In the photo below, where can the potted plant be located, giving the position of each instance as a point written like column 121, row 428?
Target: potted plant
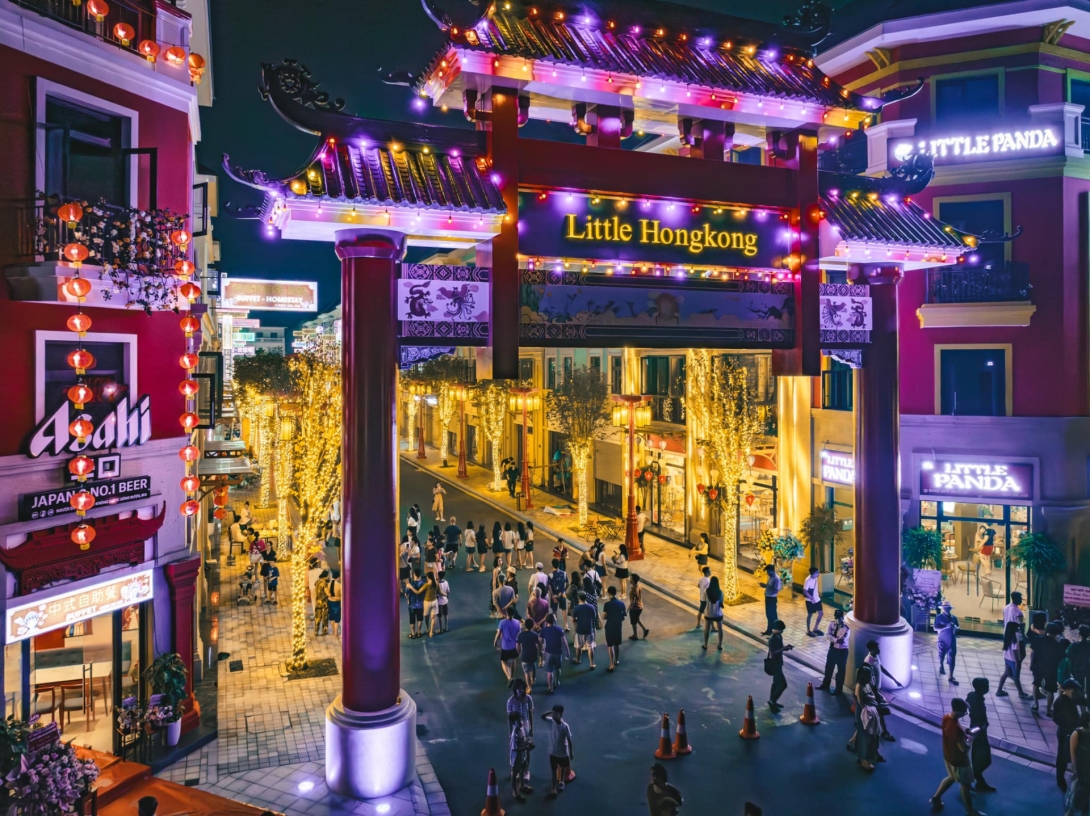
column 13, row 746
column 49, row 779
column 167, row 677
column 823, row 533
column 781, row 548
column 129, row 716
column 1041, row 558
column 921, row 548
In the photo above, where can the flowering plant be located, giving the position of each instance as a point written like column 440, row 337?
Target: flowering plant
column 160, row 715
column 50, row 779
column 129, row 715
column 783, row 547
column 924, row 599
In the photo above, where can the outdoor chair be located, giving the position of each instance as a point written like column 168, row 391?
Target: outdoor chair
column 994, row 592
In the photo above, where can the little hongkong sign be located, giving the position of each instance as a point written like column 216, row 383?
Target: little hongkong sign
column 1003, row 143
column 978, row 480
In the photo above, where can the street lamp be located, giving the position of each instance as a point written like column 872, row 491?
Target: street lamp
column 634, row 411
column 460, row 393
column 525, row 399
column 419, row 391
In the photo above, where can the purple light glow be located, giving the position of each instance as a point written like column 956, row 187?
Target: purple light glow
column 363, row 144
column 418, row 103
column 761, row 215
column 455, row 153
column 636, row 30
column 834, row 193
column 496, row 179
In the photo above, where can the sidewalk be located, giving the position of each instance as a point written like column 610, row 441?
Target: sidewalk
column 668, row 569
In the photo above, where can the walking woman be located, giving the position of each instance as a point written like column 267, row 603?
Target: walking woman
column 600, row 562
column 1012, row 648
column 437, row 494
column 499, row 578
column 497, row 539
column 700, row 553
column 507, row 537
column 520, row 547
column 321, row 604
column 482, row 545
column 1077, row 801
column 334, row 603
column 620, row 568
column 414, row 520
column 866, row 720
column 635, row 608
column 713, row 615
column 529, row 544
column 471, row 547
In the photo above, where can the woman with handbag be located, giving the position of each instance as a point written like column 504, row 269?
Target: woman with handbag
column 713, row 614
column 866, row 720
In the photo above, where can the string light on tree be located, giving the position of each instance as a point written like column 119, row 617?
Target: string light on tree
column 491, row 400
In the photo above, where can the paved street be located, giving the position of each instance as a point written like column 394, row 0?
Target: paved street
column 460, row 690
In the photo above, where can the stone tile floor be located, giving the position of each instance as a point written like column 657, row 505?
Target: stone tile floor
column 668, row 568
column 270, row 748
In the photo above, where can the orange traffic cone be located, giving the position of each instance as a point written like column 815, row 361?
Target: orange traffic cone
column 749, row 727
column 665, row 749
column 492, row 796
column 681, row 741
column 809, row 711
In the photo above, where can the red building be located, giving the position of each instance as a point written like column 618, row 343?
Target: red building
column 994, row 352
column 101, row 113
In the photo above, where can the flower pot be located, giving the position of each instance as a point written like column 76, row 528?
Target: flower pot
column 174, row 732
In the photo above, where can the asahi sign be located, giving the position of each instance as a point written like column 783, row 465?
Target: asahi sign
column 49, row 503
column 121, row 428
column 978, row 480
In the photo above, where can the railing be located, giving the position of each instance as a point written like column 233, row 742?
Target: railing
column 959, row 284
column 667, row 409
column 1084, row 133
column 836, row 390
column 136, row 15
column 850, row 157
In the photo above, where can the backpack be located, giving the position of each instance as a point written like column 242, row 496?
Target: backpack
column 558, row 582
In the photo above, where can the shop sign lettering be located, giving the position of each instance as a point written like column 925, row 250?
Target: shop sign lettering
column 652, row 232
column 999, row 144
column 837, row 467
column 948, row 477
column 122, row 428
column 48, row 503
column 39, row 617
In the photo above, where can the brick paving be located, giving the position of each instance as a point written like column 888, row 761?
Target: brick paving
column 667, row 567
column 270, row 749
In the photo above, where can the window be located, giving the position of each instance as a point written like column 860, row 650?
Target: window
column 550, row 373
column 567, row 369
column 615, row 381
column 112, row 377
column 84, row 156
column 836, row 387
column 199, row 210
column 596, row 365
column 979, row 217
column 1079, row 94
column 526, row 369
column 967, row 98
column 973, row 382
column 746, row 155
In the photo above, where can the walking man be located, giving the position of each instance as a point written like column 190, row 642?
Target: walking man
column 946, row 625
column 1065, row 713
column 561, row 750
column 955, row 753
column 614, row 612
column 520, row 711
column 584, row 615
column 555, row 644
column 837, row 656
column 980, row 755
column 641, row 522
column 772, row 586
column 811, row 591
column 702, row 586
column 528, row 645
column 776, row 648
column 558, row 591
column 506, row 641
column 453, row 536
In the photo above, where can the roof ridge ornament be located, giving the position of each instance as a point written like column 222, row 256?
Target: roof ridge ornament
column 291, row 79
column 444, row 20
column 808, row 25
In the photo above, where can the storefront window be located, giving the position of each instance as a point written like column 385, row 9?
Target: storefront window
column 756, row 514
column 976, row 538
column 842, row 558
column 662, row 490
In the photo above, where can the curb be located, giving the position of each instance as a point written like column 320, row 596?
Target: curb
column 908, row 709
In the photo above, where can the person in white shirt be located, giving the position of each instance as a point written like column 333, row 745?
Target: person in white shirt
column 538, row 579
column 442, row 596
column 812, row 593
column 837, row 656
column 234, row 535
column 246, row 518
column 470, row 541
column 507, row 537
column 641, row 522
column 313, row 571
column 702, row 585
column 1013, row 610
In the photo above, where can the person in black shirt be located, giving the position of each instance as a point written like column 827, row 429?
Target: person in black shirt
column 1066, row 716
column 776, row 649
column 980, row 752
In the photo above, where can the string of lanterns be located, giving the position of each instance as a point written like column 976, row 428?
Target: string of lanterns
column 183, row 269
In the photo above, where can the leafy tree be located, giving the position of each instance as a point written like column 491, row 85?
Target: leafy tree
column 490, row 399
column 1041, row 558
column 822, row 533
column 443, row 373
column 579, row 408
column 728, row 423
column 921, row 548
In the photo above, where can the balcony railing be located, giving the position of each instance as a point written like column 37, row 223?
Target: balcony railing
column 668, row 409
column 850, row 157
column 1084, row 132
column 960, row 284
column 135, row 15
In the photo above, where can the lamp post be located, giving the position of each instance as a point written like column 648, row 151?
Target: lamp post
column 419, row 392
column 460, row 393
column 631, row 410
column 525, row 399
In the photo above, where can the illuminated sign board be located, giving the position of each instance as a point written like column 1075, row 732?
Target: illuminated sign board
column 270, row 295
column 48, row 503
column 39, row 617
column 245, row 337
column 837, row 467
column 563, row 225
column 120, row 428
column 951, row 477
column 1001, row 143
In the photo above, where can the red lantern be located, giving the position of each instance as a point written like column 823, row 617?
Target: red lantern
column 189, row 360
column 81, row 467
column 180, row 238
column 183, row 268
column 189, row 420
column 713, row 494
column 75, row 253
column 176, row 56
column 81, row 429
column 191, row 484
column 189, row 388
column 79, row 322
column 124, row 32
column 98, row 9
column 700, row 488
column 220, row 499
column 638, row 475
column 662, row 478
column 219, row 513
column 82, row 501
column 189, row 325
column 80, row 394
column 81, row 360
column 750, row 498
column 83, row 535
column 72, row 213
column 190, row 453
column 190, row 291
column 190, row 508
column 77, row 288
column 149, row 48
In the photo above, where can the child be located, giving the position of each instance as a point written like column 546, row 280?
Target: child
column 441, row 602
column 273, row 578
column 521, row 746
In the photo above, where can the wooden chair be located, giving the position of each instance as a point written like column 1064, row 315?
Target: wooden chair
column 76, row 697
column 45, row 702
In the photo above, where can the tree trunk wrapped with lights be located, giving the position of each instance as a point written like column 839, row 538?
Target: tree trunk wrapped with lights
column 727, row 423
column 448, row 404
column 491, row 404
column 578, row 407
column 443, row 374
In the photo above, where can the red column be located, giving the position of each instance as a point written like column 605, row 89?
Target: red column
column 182, row 582
column 877, row 485
column 503, row 149
column 369, row 638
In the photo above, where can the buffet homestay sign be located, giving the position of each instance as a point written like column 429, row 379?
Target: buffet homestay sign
column 1002, row 143
column 950, row 477
column 655, row 232
column 270, row 295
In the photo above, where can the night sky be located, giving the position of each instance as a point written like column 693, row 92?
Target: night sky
column 344, row 43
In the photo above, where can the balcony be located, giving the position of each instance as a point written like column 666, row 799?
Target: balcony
column 977, row 296
column 667, row 409
column 850, row 157
column 1084, row 132
column 121, row 16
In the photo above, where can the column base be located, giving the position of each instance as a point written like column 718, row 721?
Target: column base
column 370, row 755
column 894, row 642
